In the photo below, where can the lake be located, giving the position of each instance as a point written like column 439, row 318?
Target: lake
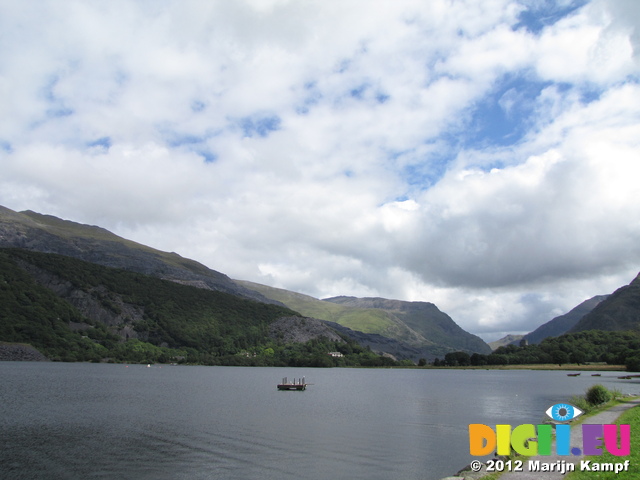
column 105, row 421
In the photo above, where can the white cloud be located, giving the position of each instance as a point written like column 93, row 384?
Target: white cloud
column 331, row 149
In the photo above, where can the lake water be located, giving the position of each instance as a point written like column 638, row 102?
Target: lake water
column 85, row 421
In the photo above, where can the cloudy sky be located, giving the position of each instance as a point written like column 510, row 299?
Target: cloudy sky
column 480, row 155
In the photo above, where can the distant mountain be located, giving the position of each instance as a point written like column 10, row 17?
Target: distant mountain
column 366, row 320
column 378, row 329
column 403, row 329
column 620, row 311
column 563, row 323
column 506, row 340
column 49, row 234
column 423, row 318
column 383, row 329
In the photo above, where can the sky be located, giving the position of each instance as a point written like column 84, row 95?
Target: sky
column 480, row 155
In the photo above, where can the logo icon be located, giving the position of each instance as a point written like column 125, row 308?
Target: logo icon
column 563, row 412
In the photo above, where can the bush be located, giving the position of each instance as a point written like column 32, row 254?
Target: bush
column 598, row 394
column 581, row 402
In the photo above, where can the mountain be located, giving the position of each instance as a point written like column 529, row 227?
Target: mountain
column 73, row 310
column 365, row 320
column 424, row 318
column 563, row 323
column 49, row 234
column 403, row 329
column 377, row 329
column 619, row 311
column 506, row 340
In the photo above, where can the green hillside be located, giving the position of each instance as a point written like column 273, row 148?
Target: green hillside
column 367, row 320
column 424, row 318
column 76, row 311
column 33, row 314
column 418, row 324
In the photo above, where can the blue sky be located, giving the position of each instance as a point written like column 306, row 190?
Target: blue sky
column 482, row 156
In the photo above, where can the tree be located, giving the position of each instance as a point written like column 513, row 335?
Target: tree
column 454, row 359
column 478, row 359
column 422, row 362
column 559, row 357
column 578, row 357
column 633, row 364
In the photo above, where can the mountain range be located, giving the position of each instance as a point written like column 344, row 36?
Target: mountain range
column 49, row 234
column 399, row 329
column 404, row 329
column 619, row 311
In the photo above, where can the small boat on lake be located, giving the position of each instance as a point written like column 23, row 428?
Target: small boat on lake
column 572, row 374
column 296, row 385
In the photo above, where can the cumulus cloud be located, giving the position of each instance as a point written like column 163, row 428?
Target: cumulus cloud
column 479, row 155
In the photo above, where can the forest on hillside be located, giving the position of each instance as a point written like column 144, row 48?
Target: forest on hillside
column 177, row 323
column 592, row 346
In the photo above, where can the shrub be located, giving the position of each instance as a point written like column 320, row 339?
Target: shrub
column 581, row 402
column 598, row 394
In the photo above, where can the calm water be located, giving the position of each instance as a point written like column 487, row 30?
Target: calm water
column 84, row 421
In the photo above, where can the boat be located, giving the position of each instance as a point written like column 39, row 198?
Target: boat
column 299, row 385
column 572, row 374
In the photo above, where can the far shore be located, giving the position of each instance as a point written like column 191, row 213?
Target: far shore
column 544, row 366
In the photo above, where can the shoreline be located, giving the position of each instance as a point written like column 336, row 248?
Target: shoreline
column 618, row 407
column 537, row 366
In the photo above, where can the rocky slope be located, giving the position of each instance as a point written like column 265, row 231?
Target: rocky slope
column 301, row 330
column 16, row 352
